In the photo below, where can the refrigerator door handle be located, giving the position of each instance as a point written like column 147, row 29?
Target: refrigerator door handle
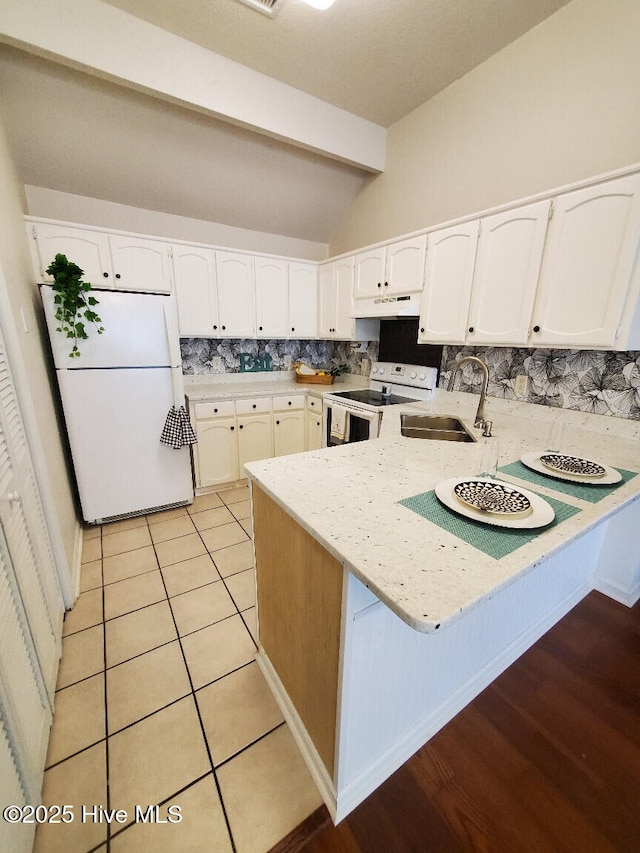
column 174, row 357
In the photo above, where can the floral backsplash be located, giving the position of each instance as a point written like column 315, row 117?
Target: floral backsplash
column 604, row 383
column 198, row 354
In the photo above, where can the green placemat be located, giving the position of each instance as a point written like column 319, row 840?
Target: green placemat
column 496, row 542
column 592, row 493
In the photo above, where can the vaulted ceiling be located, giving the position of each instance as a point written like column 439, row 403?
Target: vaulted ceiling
column 378, row 59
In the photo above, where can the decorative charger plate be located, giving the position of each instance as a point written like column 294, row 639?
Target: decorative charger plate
column 575, row 465
column 492, row 496
column 534, row 461
column 538, row 514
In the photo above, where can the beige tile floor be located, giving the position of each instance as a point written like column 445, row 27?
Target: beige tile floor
column 159, row 699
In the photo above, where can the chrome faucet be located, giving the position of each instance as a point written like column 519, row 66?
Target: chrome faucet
column 480, row 419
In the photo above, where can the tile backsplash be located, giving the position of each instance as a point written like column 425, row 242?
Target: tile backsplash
column 198, row 354
column 605, row 383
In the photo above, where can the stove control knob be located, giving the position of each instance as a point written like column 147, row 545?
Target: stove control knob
column 423, row 376
column 374, row 369
column 413, row 374
column 381, row 370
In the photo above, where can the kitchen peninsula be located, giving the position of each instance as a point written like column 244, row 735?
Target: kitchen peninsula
column 376, row 625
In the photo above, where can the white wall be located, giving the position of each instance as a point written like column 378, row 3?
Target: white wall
column 52, row 204
column 560, row 104
column 31, row 376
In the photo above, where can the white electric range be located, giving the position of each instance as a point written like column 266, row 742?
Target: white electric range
column 349, row 416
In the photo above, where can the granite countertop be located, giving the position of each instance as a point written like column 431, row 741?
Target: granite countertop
column 234, row 385
column 347, row 498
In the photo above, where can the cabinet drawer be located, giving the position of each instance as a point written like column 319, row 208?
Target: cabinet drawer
column 214, row 409
column 314, row 404
column 253, row 406
column 293, row 401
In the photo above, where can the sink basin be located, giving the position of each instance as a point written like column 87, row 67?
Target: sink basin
column 434, row 427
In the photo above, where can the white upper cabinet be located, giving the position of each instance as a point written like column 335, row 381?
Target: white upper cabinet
column 336, row 299
column 272, row 297
column 393, row 269
column 140, row 264
column 303, row 300
column 235, row 295
column 194, row 271
column 88, row 249
column 506, row 275
column 451, row 254
column 108, row 260
column 588, row 264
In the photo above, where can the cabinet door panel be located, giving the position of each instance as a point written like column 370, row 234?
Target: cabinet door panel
column 589, row 258
column 216, row 452
column 303, row 301
column 288, row 433
column 451, row 255
column 506, row 274
column 272, row 298
column 313, row 423
column 195, row 283
column 236, row 305
column 140, row 264
column 255, row 439
column 344, row 299
column 88, row 249
column 326, row 300
column 369, row 273
column 405, row 265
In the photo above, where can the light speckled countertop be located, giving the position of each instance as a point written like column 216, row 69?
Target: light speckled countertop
column 236, row 385
column 346, row 498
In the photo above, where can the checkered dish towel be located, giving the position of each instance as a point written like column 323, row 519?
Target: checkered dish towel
column 177, row 431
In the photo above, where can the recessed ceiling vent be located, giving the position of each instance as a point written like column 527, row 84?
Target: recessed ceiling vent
column 267, row 7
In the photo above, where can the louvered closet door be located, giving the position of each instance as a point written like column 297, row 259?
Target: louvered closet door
column 25, row 534
column 30, row 614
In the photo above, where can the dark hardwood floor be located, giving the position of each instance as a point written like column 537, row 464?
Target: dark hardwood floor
column 546, row 759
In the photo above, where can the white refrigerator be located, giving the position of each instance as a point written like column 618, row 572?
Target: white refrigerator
column 115, row 398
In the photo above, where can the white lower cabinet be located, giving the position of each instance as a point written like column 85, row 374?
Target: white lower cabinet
column 233, row 432
column 288, row 433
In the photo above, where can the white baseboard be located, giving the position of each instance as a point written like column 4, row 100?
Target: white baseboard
column 624, row 596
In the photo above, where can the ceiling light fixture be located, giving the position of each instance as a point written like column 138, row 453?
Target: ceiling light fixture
column 319, row 4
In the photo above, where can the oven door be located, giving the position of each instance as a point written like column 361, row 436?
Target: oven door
column 363, row 424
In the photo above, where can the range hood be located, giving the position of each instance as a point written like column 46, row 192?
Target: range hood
column 387, row 306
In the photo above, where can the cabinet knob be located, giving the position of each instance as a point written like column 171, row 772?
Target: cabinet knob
column 289, row 403
column 277, row 422
column 232, row 428
column 224, row 327
column 471, row 328
column 105, row 274
column 293, row 329
column 422, row 329
column 379, row 284
column 253, row 406
column 386, row 284
column 536, row 328
column 117, row 275
column 240, row 427
column 259, row 328
column 215, row 327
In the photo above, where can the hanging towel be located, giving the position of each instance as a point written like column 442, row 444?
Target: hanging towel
column 339, row 424
column 177, row 431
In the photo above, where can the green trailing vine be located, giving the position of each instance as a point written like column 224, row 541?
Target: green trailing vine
column 73, row 304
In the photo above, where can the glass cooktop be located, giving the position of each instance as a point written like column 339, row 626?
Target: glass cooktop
column 373, row 398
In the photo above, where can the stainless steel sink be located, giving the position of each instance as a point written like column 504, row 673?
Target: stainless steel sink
column 434, row 427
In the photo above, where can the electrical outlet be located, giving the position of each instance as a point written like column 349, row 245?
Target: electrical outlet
column 365, row 364
column 521, row 385
column 216, row 363
column 287, row 362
